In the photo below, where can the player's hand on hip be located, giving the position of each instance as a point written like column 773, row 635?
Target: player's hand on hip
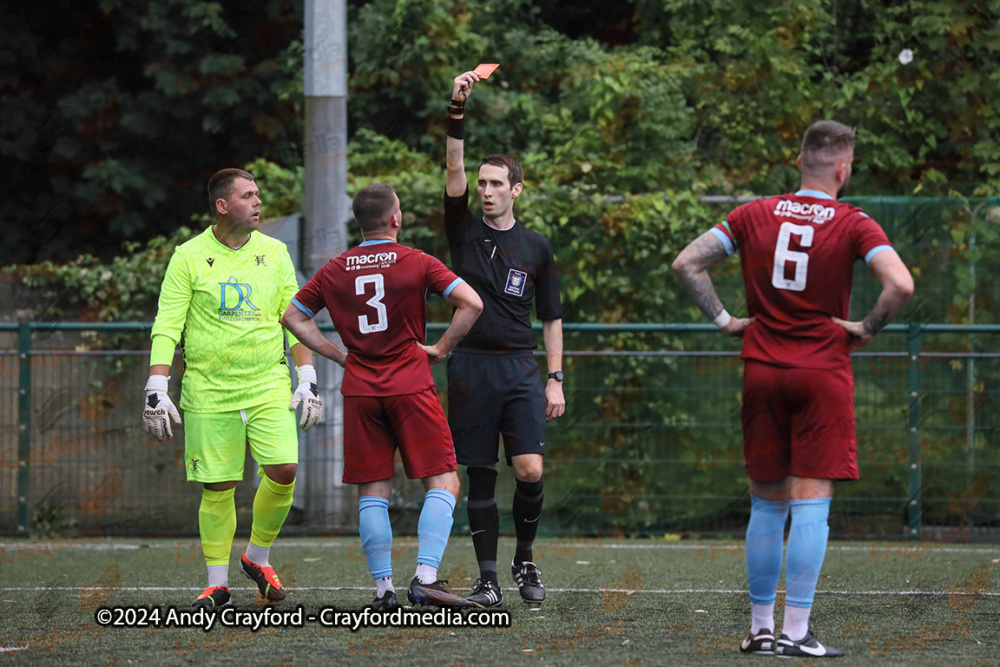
column 159, row 410
column 433, row 353
column 737, row 326
column 307, row 393
column 555, row 402
column 859, row 335
column 463, row 85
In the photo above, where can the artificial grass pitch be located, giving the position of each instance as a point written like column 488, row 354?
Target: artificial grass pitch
column 610, row 602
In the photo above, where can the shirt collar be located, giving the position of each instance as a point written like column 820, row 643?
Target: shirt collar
column 376, row 242
column 211, row 232
column 815, row 194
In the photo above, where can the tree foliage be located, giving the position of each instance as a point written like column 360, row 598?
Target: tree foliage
column 115, row 114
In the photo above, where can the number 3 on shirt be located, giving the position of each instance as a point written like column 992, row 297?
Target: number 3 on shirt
column 782, row 254
column 382, row 323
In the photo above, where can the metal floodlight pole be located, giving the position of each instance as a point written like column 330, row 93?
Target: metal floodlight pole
column 324, row 231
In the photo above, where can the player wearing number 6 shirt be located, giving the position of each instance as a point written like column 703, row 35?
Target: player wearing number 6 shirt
column 376, row 295
column 797, row 253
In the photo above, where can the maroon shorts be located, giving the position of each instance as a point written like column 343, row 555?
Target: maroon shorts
column 375, row 427
column 798, row 421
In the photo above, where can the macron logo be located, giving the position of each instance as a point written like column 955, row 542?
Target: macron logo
column 816, row 213
column 380, row 258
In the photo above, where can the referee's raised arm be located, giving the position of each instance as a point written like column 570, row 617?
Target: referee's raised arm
column 456, row 184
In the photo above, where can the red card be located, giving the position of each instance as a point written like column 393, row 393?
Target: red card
column 485, row 69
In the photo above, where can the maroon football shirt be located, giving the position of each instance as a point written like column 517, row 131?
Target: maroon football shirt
column 376, row 294
column 797, row 254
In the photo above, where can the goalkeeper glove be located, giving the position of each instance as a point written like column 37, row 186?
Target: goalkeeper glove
column 158, row 406
column 307, row 393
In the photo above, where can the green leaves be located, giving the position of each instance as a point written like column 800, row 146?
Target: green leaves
column 127, row 104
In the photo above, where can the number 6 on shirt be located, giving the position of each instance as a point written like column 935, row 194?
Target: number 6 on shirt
column 375, row 302
column 782, row 254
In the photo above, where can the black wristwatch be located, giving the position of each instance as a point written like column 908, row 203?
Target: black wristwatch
column 557, row 376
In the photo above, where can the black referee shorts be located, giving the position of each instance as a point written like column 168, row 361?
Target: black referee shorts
column 489, row 396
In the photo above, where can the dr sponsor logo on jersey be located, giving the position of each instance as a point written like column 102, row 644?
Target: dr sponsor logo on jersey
column 816, row 213
column 375, row 260
column 515, row 282
column 240, row 293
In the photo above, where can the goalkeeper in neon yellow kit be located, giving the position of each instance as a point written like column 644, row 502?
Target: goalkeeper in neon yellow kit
column 225, row 291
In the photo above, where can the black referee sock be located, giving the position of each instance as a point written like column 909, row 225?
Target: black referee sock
column 528, row 499
column 484, row 520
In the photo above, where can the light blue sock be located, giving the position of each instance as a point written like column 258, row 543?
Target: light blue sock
column 765, row 542
column 376, row 535
column 434, row 526
column 806, row 550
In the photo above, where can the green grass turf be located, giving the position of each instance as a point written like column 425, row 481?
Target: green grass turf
column 883, row 603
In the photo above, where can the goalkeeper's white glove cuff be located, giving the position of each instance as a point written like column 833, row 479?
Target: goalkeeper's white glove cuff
column 157, row 383
column 306, row 374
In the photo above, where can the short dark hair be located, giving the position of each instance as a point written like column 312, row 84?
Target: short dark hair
column 372, row 207
column 501, row 160
column 220, row 186
column 823, row 142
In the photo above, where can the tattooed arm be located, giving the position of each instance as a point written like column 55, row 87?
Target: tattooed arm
column 692, row 268
column 897, row 287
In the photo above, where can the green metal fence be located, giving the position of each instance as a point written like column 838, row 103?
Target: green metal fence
column 650, row 443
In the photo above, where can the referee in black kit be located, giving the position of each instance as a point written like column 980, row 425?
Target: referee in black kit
column 494, row 384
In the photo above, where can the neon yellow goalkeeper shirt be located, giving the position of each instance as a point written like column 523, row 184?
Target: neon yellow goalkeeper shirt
column 227, row 304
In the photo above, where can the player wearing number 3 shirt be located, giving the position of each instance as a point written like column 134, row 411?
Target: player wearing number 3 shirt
column 376, row 295
column 797, row 253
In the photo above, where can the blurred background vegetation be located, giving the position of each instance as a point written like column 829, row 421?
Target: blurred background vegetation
column 624, row 115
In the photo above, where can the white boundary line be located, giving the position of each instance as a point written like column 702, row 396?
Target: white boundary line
column 734, row 546
column 650, row 591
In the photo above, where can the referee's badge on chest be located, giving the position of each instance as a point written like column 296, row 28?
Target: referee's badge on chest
column 515, row 282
